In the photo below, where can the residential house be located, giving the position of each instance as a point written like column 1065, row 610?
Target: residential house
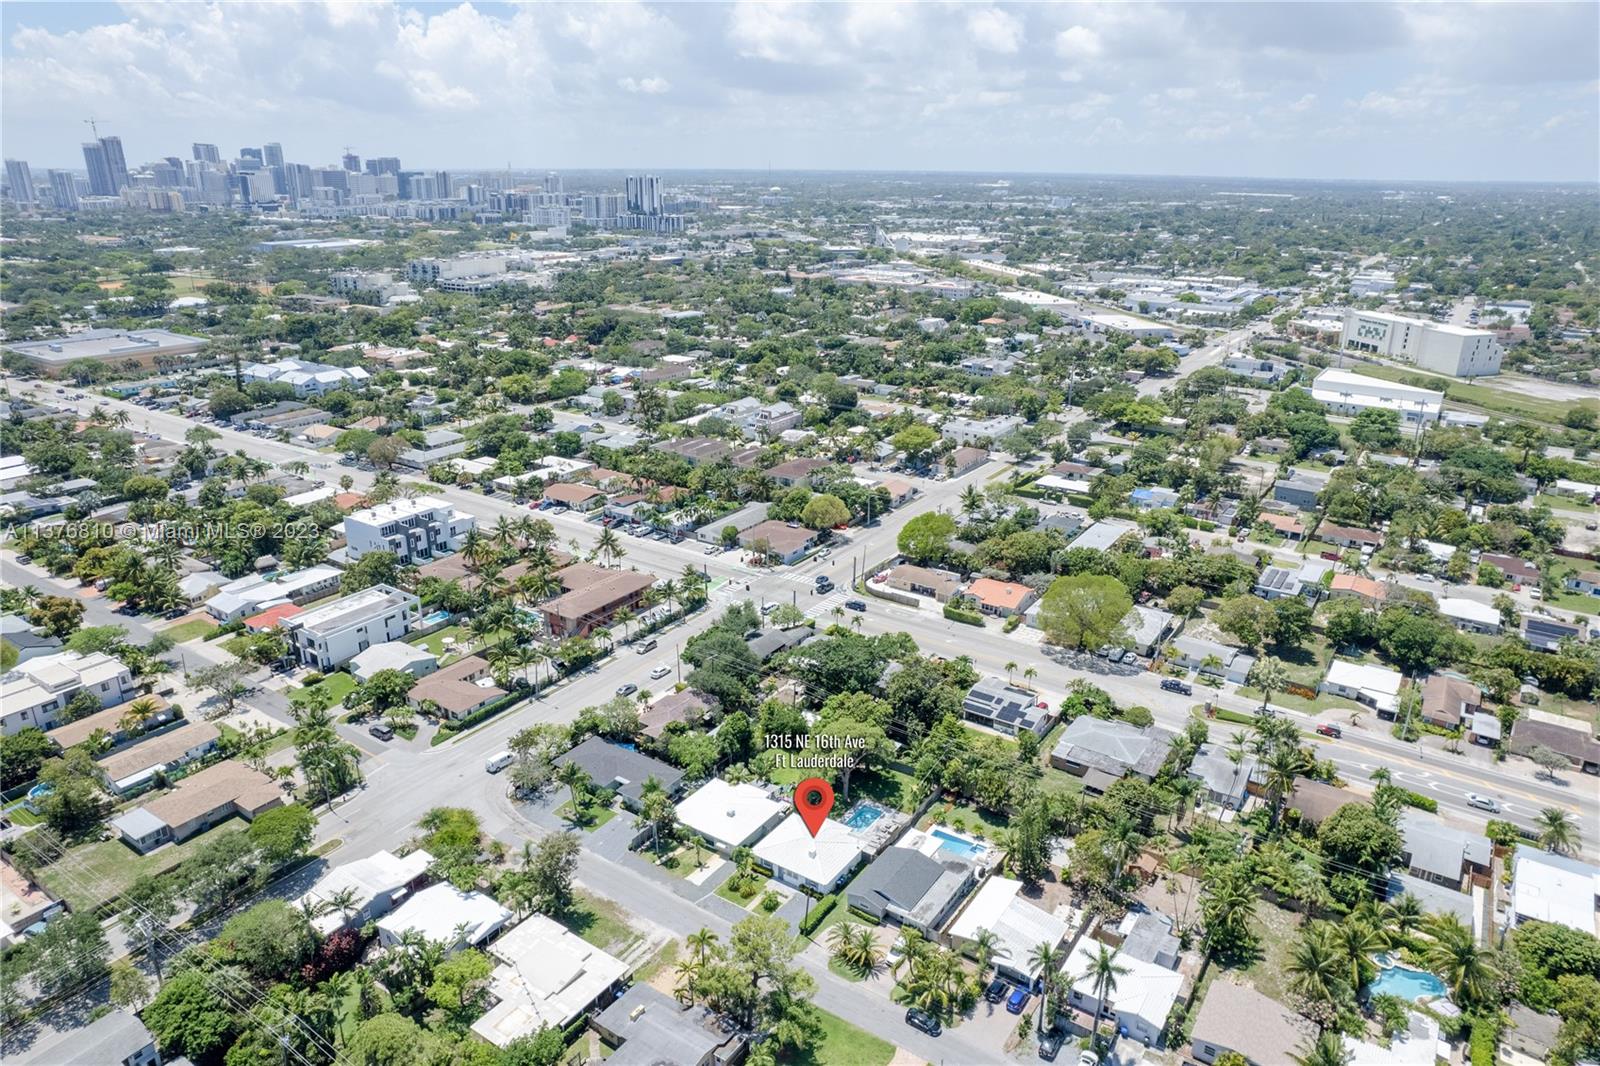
column 905, row 886
column 1304, row 580
column 116, row 1038
column 465, row 686
column 1103, row 751
column 444, row 914
column 1006, row 708
column 1317, row 801
column 200, row 801
column 34, row 693
column 622, row 770
column 1300, row 488
column 357, row 893
column 1449, row 700
column 820, row 862
column 1001, row 599
column 964, row 460
column 1104, row 534
column 797, row 472
column 1237, row 1018
column 25, row 906
column 1147, row 628
column 1375, row 686
column 1441, row 853
column 689, row 706
column 923, row 581
column 110, row 723
column 575, row 497
column 1018, row 927
column 730, row 816
column 649, row 1027
column 437, row 446
column 739, row 521
column 1143, row 997
column 1547, row 634
column 413, row 659
column 1153, row 498
column 410, row 530
column 785, row 542
column 1349, row 536
column 591, row 597
column 1586, row 583
column 1517, row 569
column 136, row 766
column 1370, row 592
column 1286, row 526
column 972, row 432
column 770, row 642
column 546, row 975
column 252, row 594
column 1209, row 657
column 1470, row 616
column 331, row 635
column 1226, row 782
column 1576, row 743
column 1546, row 887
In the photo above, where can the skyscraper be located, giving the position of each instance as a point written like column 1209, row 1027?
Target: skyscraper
column 552, row 183
column 384, row 164
column 352, row 161
column 63, row 190
column 272, row 154
column 206, row 153
column 20, row 178
column 251, row 158
column 442, row 187
column 644, row 195
column 116, row 162
column 94, row 160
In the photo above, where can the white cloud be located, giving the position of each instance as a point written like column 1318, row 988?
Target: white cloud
column 650, row 86
column 994, row 30
column 1078, row 43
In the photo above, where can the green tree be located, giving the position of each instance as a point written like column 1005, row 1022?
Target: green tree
column 189, row 1017
column 1084, row 611
column 270, row 940
column 1249, row 619
column 926, row 538
column 824, row 511
column 550, row 869
column 283, row 833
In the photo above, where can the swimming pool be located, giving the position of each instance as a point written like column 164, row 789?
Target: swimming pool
column 863, row 815
column 957, row 845
column 433, row 619
column 1408, row 984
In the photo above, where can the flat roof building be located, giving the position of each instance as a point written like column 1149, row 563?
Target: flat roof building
column 1442, row 348
column 819, row 862
column 730, row 816
column 1346, row 393
column 546, row 976
column 143, row 346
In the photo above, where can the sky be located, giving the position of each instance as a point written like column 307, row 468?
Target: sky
column 1380, row 91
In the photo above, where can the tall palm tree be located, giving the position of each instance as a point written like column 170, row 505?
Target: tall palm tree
column 1282, row 767
column 985, row 944
column 1357, row 941
column 701, row 944
column 577, row 781
column 1102, row 974
column 1326, row 1050
column 1557, row 832
column 138, row 714
column 1315, row 968
column 1455, row 956
column 1046, row 959
column 912, row 946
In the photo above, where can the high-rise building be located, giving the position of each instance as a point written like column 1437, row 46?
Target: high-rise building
column 206, row 153
column 20, row 178
column 330, row 178
column 94, row 160
column 165, row 175
column 297, row 181
column 384, row 164
column 352, row 161
column 63, row 189
column 552, row 183
column 442, row 187
column 116, row 162
column 272, row 154
column 252, row 155
column 256, row 187
column 643, row 194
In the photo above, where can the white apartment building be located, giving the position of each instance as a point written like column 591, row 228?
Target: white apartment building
column 979, row 431
column 1345, row 393
column 1443, row 349
column 379, row 283
column 330, row 636
column 251, row 595
column 435, row 271
column 305, row 377
column 35, row 693
column 410, row 529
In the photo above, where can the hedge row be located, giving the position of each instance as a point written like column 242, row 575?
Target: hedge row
column 1419, row 801
column 956, row 614
column 819, row 911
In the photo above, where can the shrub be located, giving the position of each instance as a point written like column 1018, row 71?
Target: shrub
column 771, row 901
column 819, row 911
column 1418, row 800
column 956, row 614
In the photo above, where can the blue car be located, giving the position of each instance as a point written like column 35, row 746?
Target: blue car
column 1018, row 1000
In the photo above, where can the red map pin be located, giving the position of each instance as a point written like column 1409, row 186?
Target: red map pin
column 813, row 798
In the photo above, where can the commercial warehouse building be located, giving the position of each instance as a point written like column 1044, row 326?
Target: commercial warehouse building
column 1435, row 346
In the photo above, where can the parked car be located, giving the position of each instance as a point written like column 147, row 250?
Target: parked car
column 627, row 690
column 855, row 605
column 768, row 607
column 1050, row 1044
column 996, row 990
column 1172, row 684
column 1483, row 803
column 1118, row 654
column 1017, row 1002
column 381, row 730
column 659, row 672
column 1103, row 651
column 712, row 549
column 1088, row 1058
column 1328, row 730
column 921, row 1019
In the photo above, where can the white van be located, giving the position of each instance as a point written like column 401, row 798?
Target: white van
column 497, row 762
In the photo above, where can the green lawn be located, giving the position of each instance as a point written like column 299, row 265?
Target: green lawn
column 91, row 874
column 962, row 817
column 336, row 685
column 592, row 816
column 681, row 863
column 1483, row 397
column 1276, row 930
column 1564, row 503
column 434, row 641
column 600, row 922
column 194, row 627
column 1324, row 703
column 284, row 739
column 726, row 891
column 843, row 1044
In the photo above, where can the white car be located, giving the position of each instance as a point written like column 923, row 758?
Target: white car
column 1483, row 803
column 659, row 672
column 713, row 550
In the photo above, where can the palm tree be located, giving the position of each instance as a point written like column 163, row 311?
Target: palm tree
column 138, row 714
column 1357, row 941
column 1315, row 968
column 702, row 944
column 911, row 946
column 1028, row 674
column 609, row 547
column 1455, row 956
column 1282, row 767
column 985, row 943
column 1102, row 973
column 1557, row 832
column 1011, row 668
column 1269, row 675
column 577, row 781
column 1046, row 959
column 1326, row 1050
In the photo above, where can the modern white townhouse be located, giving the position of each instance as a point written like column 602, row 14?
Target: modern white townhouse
column 329, row 636
column 35, row 692
column 408, row 529
column 249, row 595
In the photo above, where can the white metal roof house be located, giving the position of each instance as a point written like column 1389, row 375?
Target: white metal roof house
column 1554, row 888
column 1018, row 926
column 1376, row 686
column 730, row 816
column 444, row 913
column 797, row 858
column 1470, row 615
column 373, row 886
column 546, row 976
column 393, row 655
column 1143, row 997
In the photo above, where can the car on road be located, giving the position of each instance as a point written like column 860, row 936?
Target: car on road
column 855, row 605
column 1050, row 1044
column 712, row 549
column 768, row 607
column 1183, row 688
column 1328, row 730
column 921, row 1019
column 627, row 690
column 997, row 990
column 824, row 553
column 645, row 647
column 1017, row 1002
column 1426, row 579
column 1483, row 803
column 381, row 730
column 659, row 672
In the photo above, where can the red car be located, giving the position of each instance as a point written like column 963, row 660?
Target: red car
column 1329, row 731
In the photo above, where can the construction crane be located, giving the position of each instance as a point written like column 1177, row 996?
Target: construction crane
column 92, row 127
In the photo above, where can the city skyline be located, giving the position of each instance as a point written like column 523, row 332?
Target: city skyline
column 1385, row 92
